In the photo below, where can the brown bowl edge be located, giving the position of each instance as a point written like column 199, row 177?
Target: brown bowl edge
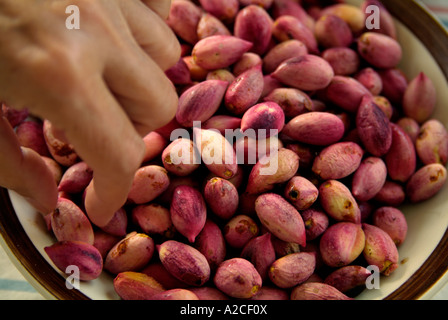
column 432, row 34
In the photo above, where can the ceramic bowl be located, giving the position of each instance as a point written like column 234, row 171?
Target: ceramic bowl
column 423, row 256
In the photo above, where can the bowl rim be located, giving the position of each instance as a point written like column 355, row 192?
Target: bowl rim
column 430, row 32
column 37, row 270
column 29, row 261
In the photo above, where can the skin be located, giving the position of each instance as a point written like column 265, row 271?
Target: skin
column 103, row 86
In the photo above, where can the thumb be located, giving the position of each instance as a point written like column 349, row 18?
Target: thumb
column 24, row 171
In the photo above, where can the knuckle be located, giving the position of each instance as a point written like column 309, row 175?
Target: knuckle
column 173, row 51
column 167, row 111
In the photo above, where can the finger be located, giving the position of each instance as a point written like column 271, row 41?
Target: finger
column 104, row 138
column 24, row 171
column 152, row 34
column 161, row 7
column 142, row 88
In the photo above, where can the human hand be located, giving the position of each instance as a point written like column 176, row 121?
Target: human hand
column 103, row 86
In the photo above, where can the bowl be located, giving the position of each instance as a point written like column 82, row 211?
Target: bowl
column 423, row 256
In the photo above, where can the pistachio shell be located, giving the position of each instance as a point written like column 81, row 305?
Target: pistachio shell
column 301, row 192
column 332, row 31
column 153, row 219
column 223, row 10
column 266, row 4
column 346, row 92
column 130, row 254
column 305, row 152
column 76, row 178
column 351, row 14
column 179, row 74
column 294, row 102
column 316, row 222
column 369, row 178
column 315, row 128
column 392, row 194
column 184, row 262
column 175, row 294
column 432, row 142
column 426, row 182
column 209, row 25
column 221, row 74
column 216, row 152
column 288, row 27
column 183, row 19
column 200, row 102
column 269, row 84
column 271, row 293
column 181, row 157
column 237, row 278
column 280, row 218
column 260, row 251
column 393, row 221
column 401, row 159
column 373, row 128
column 292, row 269
column 338, row 160
column 219, row 51
column 70, row 223
column 281, row 52
column 30, row 134
column 254, row 24
column 149, row 182
column 308, row 72
column 239, row 230
column 118, row 224
column 76, row 253
column 14, row 116
column 411, row 127
column 317, row 291
column 420, row 97
column 277, row 167
column 380, row 250
column 244, row 91
column 222, row 123
column 338, row 202
column 370, row 79
column 156, row 270
column 344, row 61
column 188, row 211
column 130, row 285
column 197, row 72
column 266, row 118
column 342, row 243
column 395, row 84
column 379, row 50
column 247, row 61
column 222, row 197
column 347, row 278
column 292, row 8
column 208, row 293
column 104, row 241
column 61, row 151
column 211, row 243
